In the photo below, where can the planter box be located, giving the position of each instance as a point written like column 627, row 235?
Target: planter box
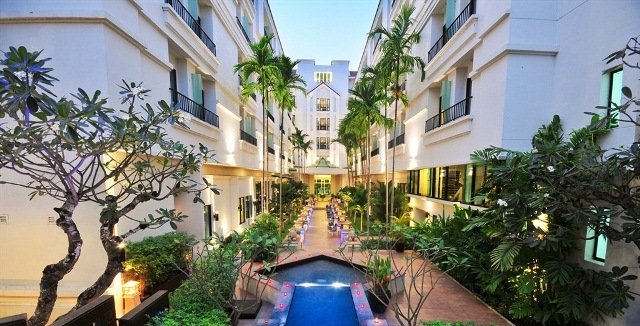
column 142, row 314
column 16, row 320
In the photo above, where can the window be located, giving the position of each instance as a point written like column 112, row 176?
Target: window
column 322, row 142
column 611, row 94
column 208, row 222
column 241, row 210
column 322, row 104
column 458, row 183
column 595, row 250
column 322, row 123
column 322, row 185
column 258, row 187
column 322, row 77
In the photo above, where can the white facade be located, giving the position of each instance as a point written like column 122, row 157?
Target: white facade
column 507, row 67
column 96, row 44
column 319, row 113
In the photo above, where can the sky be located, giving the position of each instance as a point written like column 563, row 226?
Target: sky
column 324, row 30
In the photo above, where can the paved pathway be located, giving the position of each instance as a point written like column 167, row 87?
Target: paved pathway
column 449, row 301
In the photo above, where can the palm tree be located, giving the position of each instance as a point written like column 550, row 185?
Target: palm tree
column 364, row 111
column 264, row 65
column 350, row 141
column 382, row 75
column 396, row 46
column 287, row 82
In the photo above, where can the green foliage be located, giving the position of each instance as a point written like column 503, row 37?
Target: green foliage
column 154, row 260
column 188, row 316
column 293, row 195
column 539, row 204
column 378, row 271
column 378, row 202
column 262, row 238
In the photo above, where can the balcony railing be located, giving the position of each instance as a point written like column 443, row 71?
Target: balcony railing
column 194, row 108
column 455, row 26
column 254, row 97
column 363, row 158
column 193, row 23
column 270, row 116
column 271, row 150
column 323, row 146
column 240, row 81
column 244, row 32
column 245, row 136
column 375, row 152
column 399, row 140
column 458, row 110
column 322, row 127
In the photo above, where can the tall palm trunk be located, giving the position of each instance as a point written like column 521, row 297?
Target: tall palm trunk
column 386, row 171
column 264, row 151
column 368, row 155
column 265, row 137
column 281, row 172
column 395, row 126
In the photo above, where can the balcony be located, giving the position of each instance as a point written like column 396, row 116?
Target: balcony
column 458, row 110
column 194, row 108
column 245, row 136
column 193, row 23
column 323, row 146
column 244, row 32
column 455, row 26
column 271, row 150
column 399, row 140
column 270, row 116
column 322, row 127
column 375, row 152
column 254, row 97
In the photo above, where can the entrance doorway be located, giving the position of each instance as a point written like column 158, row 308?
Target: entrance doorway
column 322, row 186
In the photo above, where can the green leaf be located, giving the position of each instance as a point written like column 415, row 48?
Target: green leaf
column 173, row 225
column 504, row 255
column 626, row 91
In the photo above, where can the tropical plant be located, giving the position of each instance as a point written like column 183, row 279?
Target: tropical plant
column 191, row 317
column 288, row 82
column 80, row 150
column 264, row 65
column 364, row 111
column 396, row 48
column 155, row 259
column 538, row 200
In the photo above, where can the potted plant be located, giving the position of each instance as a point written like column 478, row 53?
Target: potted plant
column 379, row 271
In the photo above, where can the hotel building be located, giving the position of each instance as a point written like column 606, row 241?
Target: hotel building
column 495, row 72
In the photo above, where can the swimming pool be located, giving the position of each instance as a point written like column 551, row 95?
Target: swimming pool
column 322, row 305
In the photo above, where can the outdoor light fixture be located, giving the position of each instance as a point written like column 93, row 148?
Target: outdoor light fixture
column 266, row 320
column 284, row 294
column 282, row 306
column 216, row 216
column 121, row 252
column 130, row 289
column 377, row 321
column 361, row 306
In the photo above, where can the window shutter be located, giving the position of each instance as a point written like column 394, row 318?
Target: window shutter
column 196, row 87
column 451, row 12
column 192, row 7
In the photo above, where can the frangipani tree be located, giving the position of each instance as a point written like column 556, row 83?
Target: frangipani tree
column 79, row 151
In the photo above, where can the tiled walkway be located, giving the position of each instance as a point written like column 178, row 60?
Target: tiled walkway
column 449, row 301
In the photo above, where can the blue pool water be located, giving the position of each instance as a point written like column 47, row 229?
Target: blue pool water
column 322, row 305
column 320, row 271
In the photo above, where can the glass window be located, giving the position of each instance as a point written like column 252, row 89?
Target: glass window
column 208, row 222
column 323, row 104
column 455, row 182
column 615, row 95
column 440, row 175
column 425, row 182
column 241, row 210
column 322, row 123
column 322, row 77
column 322, row 142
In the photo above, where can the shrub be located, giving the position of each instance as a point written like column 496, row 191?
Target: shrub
column 154, row 260
column 191, row 317
column 260, row 236
column 211, row 283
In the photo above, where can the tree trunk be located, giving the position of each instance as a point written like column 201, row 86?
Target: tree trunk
column 368, row 153
column 386, row 169
column 52, row 274
column 395, row 126
column 114, row 266
column 264, row 151
column 265, row 137
column 281, row 172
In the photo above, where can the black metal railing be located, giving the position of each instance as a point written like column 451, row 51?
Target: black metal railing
column 244, row 32
column 282, row 157
column 323, row 146
column 456, row 111
column 400, row 140
column 322, row 127
column 455, row 26
column 377, row 42
column 270, row 116
column 194, row 108
column 193, row 23
column 254, row 97
column 271, row 150
column 375, row 152
column 247, row 137
column 240, row 81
